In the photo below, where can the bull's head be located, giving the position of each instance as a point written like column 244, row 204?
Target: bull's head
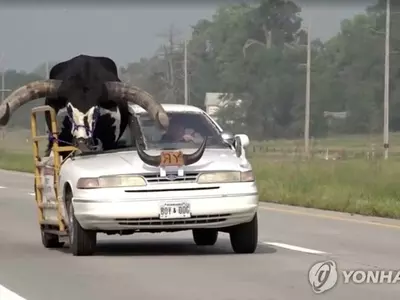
column 82, row 123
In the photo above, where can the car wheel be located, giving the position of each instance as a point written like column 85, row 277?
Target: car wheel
column 205, row 237
column 82, row 242
column 50, row 240
column 244, row 237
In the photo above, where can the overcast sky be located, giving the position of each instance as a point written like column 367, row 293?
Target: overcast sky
column 30, row 35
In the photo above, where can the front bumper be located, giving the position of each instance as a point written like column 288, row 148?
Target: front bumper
column 208, row 210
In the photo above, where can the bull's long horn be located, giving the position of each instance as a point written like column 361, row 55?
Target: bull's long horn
column 26, row 93
column 137, row 96
column 155, row 160
column 147, row 159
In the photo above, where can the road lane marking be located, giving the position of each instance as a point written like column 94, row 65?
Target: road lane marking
column 32, row 194
column 2, row 187
column 295, row 248
column 6, row 294
column 324, row 216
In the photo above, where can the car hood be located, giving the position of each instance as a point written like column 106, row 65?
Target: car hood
column 129, row 162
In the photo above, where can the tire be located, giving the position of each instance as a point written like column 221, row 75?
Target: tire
column 50, row 241
column 82, row 242
column 205, row 237
column 244, row 237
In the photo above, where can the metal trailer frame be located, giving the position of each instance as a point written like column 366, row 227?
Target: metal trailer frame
column 51, row 230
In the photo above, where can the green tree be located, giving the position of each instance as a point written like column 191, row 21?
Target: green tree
column 254, row 64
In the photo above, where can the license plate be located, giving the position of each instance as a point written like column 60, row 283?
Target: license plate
column 175, row 211
column 172, row 158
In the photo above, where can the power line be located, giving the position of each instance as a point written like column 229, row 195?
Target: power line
column 186, row 74
column 308, row 84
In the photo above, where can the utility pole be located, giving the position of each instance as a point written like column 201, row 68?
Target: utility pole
column 3, row 89
column 186, row 74
column 170, row 50
column 387, row 77
column 308, row 85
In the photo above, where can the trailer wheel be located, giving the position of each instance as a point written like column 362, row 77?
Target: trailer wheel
column 82, row 242
column 50, row 240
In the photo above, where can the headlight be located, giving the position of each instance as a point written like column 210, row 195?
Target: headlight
column 88, row 183
column 247, row 176
column 225, row 177
column 110, row 182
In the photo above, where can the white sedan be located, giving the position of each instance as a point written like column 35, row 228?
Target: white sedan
column 117, row 192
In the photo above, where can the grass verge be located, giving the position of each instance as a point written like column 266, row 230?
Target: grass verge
column 353, row 186
column 16, row 161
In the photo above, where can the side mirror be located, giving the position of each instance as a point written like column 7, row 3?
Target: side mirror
column 238, row 146
column 244, row 139
column 241, row 142
column 228, row 137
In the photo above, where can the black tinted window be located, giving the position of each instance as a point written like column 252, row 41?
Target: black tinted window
column 186, row 130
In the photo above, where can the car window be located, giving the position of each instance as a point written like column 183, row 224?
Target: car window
column 186, row 130
column 126, row 137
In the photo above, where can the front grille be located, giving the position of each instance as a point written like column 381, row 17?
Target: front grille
column 174, row 189
column 203, row 219
column 171, row 177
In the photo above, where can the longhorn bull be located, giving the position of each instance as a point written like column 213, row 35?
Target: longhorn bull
column 91, row 104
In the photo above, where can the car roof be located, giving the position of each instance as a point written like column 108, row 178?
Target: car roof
column 168, row 107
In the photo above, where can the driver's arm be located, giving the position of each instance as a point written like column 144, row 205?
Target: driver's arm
column 195, row 138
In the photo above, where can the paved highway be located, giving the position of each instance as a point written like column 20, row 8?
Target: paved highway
column 170, row 266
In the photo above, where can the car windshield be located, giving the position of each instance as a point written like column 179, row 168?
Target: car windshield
column 186, row 130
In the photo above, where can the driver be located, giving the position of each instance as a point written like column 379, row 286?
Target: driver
column 176, row 133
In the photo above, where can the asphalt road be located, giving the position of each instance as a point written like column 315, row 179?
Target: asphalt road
column 170, row 266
